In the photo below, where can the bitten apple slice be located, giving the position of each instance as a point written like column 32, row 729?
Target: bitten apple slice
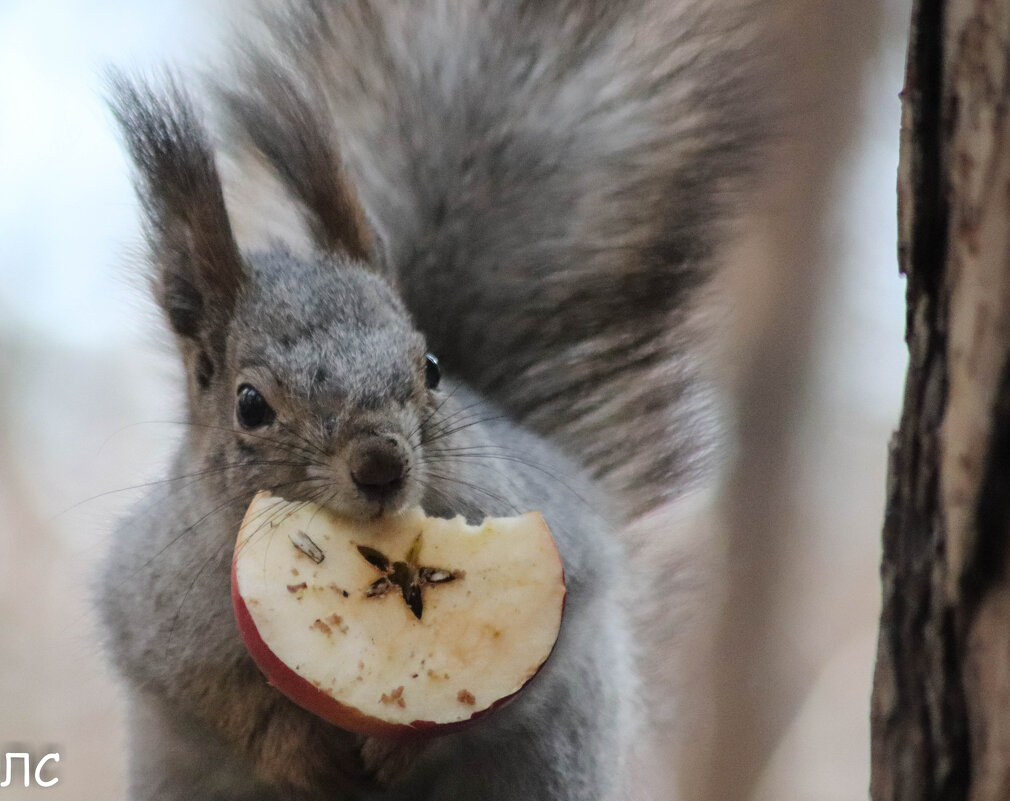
column 397, row 625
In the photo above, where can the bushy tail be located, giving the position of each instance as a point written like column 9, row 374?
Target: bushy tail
column 548, row 183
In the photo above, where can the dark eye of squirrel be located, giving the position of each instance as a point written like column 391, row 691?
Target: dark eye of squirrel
column 432, row 374
column 252, row 409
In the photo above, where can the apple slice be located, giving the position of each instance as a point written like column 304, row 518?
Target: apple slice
column 397, row 625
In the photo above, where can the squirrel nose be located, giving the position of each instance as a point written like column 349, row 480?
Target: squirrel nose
column 378, row 466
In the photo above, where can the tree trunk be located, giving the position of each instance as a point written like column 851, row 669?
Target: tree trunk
column 941, row 697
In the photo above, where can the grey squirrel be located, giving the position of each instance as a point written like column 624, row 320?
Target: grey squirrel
column 520, row 194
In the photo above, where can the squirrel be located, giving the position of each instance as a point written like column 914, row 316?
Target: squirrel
column 502, row 211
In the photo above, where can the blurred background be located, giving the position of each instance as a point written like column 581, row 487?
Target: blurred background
column 812, row 356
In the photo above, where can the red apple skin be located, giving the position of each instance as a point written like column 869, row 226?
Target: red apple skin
column 319, row 703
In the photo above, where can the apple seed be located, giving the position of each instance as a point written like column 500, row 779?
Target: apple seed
column 408, row 575
column 304, row 544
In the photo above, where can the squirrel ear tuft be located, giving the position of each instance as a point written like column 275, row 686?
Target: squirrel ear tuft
column 279, row 119
column 198, row 271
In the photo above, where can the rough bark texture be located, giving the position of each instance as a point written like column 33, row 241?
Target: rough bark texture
column 941, row 698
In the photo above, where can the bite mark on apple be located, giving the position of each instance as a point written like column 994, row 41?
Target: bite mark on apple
column 319, row 625
column 395, row 697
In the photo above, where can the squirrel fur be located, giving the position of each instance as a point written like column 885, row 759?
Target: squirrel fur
column 528, row 190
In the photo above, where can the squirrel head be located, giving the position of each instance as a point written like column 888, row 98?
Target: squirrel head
column 305, row 374
column 322, row 366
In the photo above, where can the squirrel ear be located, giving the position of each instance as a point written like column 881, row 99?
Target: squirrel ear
column 278, row 119
column 198, row 271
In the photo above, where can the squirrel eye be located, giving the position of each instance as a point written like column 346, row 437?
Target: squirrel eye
column 252, row 409
column 432, row 373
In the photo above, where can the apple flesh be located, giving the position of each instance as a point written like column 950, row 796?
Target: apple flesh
column 398, row 625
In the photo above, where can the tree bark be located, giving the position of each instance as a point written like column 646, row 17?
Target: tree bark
column 941, row 698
